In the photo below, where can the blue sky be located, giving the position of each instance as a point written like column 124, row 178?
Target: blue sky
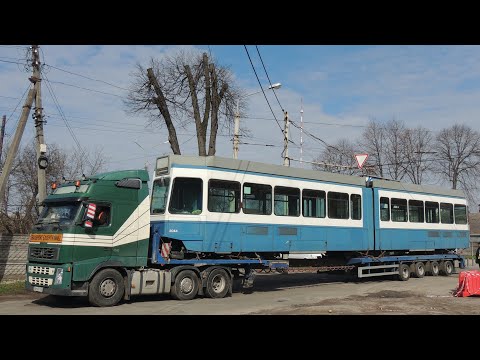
column 432, row 86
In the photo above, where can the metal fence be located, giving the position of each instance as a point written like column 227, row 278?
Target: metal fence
column 13, row 256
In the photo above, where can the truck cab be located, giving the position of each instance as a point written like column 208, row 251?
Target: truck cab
column 101, row 222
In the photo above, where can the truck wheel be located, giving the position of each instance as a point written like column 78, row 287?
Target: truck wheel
column 446, row 268
column 106, row 288
column 403, row 272
column 186, row 285
column 218, row 283
column 434, row 268
column 419, row 271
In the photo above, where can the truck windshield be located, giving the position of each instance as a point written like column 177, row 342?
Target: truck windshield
column 59, row 213
column 159, row 195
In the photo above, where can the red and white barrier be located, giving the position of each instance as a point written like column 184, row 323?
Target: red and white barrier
column 468, row 283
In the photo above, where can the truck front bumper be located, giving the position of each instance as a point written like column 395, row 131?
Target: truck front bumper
column 57, row 291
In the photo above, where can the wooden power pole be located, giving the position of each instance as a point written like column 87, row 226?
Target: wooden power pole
column 33, row 94
column 12, row 150
column 2, row 134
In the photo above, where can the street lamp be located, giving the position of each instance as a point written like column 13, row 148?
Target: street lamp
column 237, row 117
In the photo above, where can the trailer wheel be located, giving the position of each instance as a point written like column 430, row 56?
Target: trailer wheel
column 218, row 283
column 446, row 268
column 434, row 268
column 419, row 270
column 106, row 288
column 186, row 285
column 403, row 272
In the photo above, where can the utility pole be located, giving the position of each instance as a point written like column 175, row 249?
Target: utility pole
column 301, row 133
column 38, row 116
column 12, row 150
column 235, row 134
column 286, row 160
column 2, row 134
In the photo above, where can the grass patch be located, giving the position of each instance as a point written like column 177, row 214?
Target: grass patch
column 13, row 288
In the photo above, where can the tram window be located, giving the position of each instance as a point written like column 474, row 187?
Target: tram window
column 313, row 203
column 460, row 214
column 416, row 212
column 223, row 196
column 337, row 205
column 356, row 204
column 186, row 197
column 446, row 213
column 384, row 209
column 257, row 199
column 286, row 201
column 159, row 195
column 432, row 212
column 399, row 210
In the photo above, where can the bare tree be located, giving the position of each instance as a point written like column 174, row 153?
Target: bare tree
column 20, row 209
column 177, row 88
column 417, row 152
column 458, row 157
column 394, row 149
column 338, row 158
column 372, row 142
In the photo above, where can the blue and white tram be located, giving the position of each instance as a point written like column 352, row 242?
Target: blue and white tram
column 213, row 206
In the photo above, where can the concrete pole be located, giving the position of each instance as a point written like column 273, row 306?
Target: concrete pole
column 12, row 150
column 236, row 131
column 286, row 160
column 41, row 147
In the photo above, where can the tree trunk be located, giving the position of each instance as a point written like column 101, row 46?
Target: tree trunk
column 162, row 106
column 216, row 101
column 201, row 127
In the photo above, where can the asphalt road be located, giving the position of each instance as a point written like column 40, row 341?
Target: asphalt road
column 293, row 293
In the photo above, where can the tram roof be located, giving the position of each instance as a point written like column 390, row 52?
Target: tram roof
column 310, row 174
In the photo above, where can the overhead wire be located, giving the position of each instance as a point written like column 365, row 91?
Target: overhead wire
column 85, row 77
column 72, row 133
column 268, row 77
column 80, row 87
column 263, row 91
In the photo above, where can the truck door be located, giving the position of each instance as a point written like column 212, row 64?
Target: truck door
column 94, row 239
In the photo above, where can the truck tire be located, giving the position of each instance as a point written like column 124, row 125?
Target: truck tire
column 218, row 283
column 434, row 268
column 446, row 268
column 419, row 270
column 106, row 288
column 403, row 272
column 186, row 285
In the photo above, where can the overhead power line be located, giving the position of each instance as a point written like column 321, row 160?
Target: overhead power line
column 85, row 77
column 261, row 87
column 307, row 122
column 80, row 87
column 72, row 133
column 268, row 77
column 12, row 62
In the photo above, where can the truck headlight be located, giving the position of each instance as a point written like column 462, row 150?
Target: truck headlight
column 58, row 276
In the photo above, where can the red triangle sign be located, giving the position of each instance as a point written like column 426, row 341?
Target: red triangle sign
column 361, row 158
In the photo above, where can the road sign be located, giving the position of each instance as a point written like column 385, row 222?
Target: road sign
column 361, row 158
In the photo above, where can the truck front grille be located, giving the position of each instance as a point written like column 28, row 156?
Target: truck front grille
column 43, row 270
column 40, row 281
column 48, row 253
